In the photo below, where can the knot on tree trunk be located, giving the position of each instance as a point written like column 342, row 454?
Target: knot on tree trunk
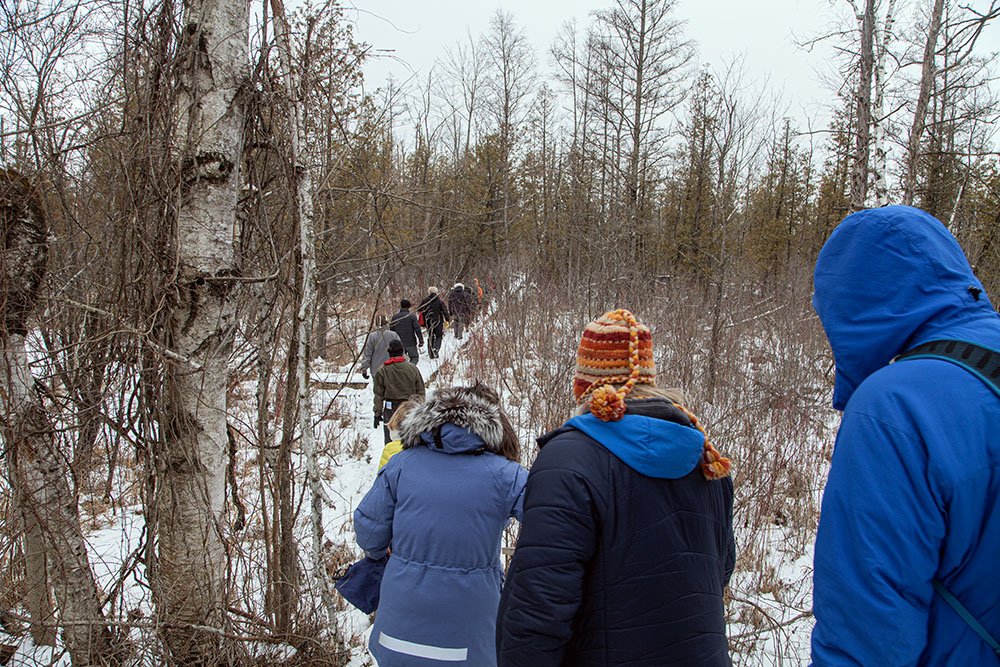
column 210, row 166
column 23, row 250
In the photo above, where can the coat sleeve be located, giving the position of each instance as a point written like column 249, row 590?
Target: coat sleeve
column 366, row 354
column 378, row 388
column 877, row 549
column 544, row 587
column 416, row 329
column 418, row 385
column 373, row 516
column 515, row 490
column 730, row 560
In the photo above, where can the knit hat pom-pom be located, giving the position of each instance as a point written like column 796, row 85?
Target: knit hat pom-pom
column 607, row 404
column 713, row 464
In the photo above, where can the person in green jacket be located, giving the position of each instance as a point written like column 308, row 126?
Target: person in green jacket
column 396, row 381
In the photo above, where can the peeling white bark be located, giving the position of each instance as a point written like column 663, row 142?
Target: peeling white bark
column 189, row 574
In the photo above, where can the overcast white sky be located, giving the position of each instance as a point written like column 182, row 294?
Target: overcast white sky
column 764, row 31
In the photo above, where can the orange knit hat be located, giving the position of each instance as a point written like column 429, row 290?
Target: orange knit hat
column 615, row 349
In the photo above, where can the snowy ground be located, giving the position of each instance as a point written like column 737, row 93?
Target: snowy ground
column 771, row 627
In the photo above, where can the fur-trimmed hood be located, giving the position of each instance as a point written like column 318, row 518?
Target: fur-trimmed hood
column 465, row 418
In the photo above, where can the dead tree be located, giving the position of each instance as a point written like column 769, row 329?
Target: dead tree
column 927, row 74
column 883, row 39
column 862, row 147
column 642, row 57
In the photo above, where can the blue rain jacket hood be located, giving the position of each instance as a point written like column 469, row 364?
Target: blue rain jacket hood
column 887, row 280
column 913, row 493
column 442, row 505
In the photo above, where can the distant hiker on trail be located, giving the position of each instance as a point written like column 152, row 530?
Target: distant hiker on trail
column 395, row 445
column 460, row 307
column 376, row 351
column 626, row 543
column 405, row 324
column 442, row 505
column 435, row 315
column 395, row 381
column 909, row 532
column 478, row 305
column 470, row 299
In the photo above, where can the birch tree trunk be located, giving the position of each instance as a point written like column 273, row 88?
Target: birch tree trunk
column 878, row 147
column 307, row 297
column 862, row 146
column 189, row 574
column 923, row 100
column 54, row 543
column 38, row 601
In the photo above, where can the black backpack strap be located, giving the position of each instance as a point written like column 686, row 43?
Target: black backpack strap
column 964, row 614
column 981, row 361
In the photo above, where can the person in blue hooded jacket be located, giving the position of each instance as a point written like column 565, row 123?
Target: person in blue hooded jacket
column 626, row 543
column 442, row 504
column 913, row 493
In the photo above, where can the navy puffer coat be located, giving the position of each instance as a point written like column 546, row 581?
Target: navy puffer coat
column 625, row 548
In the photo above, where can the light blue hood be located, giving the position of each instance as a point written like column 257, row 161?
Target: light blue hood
column 889, row 279
column 454, row 440
column 655, row 447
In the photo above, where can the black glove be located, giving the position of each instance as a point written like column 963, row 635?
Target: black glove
column 364, row 374
column 378, row 418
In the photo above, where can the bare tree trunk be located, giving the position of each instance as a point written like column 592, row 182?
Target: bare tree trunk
column 35, row 464
column 321, row 328
column 923, row 99
column 307, row 293
column 265, row 448
column 638, row 102
column 39, row 590
column 879, row 149
column 189, row 582
column 50, row 508
column 859, row 172
column 286, row 556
